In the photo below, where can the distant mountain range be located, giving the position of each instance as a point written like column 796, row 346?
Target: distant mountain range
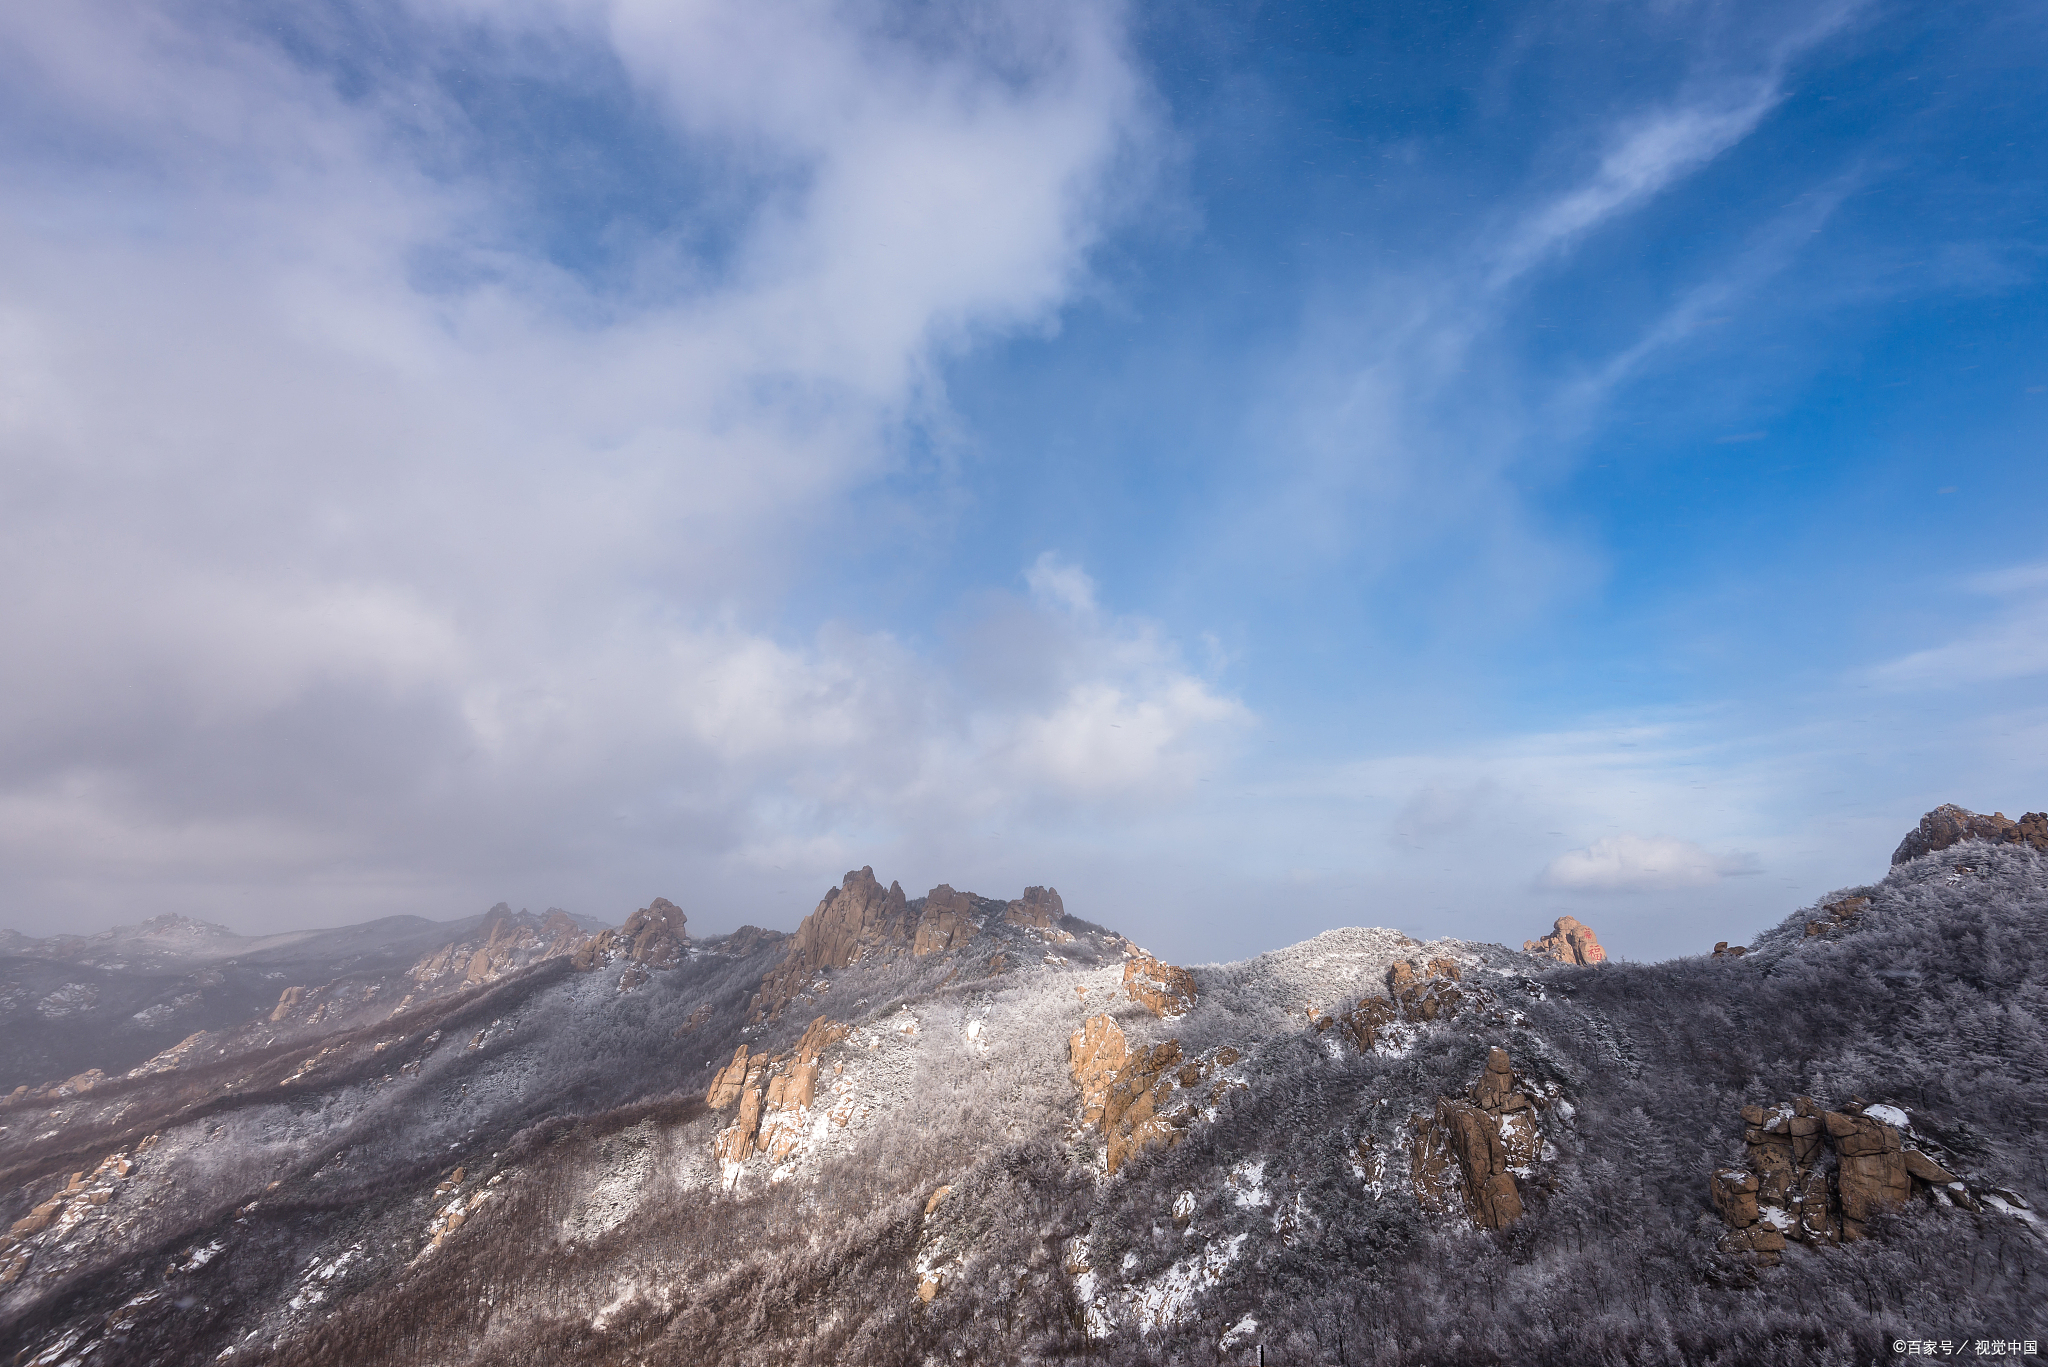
column 961, row 1129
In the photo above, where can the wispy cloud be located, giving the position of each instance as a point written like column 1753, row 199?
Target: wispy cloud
column 1643, row 157
column 2011, row 644
column 1639, row 863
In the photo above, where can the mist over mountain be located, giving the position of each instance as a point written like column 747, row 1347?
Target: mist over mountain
column 963, row 1128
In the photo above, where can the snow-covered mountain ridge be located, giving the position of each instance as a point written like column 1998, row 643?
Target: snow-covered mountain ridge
column 962, row 1129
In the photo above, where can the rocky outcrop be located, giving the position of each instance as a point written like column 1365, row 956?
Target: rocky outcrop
column 51, row 1220
column 1816, row 1176
column 1037, row 909
column 1463, row 1155
column 1160, row 988
column 1836, row 915
column 1949, row 825
column 946, row 922
column 1569, row 942
column 774, row 1092
column 1141, row 1098
column 747, row 939
column 1722, row 950
column 857, row 920
column 505, row 942
column 1413, row 997
column 655, row 936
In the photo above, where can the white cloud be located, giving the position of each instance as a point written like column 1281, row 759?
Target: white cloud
column 1055, row 582
column 1643, row 157
column 1639, row 863
column 350, row 525
column 2011, row 644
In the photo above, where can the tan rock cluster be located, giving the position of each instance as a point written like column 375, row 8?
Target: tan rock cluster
column 1570, row 942
column 946, row 923
column 1412, row 996
column 165, row 1060
column 1037, row 909
column 1722, row 950
column 1816, row 1176
column 932, row 1264
column 858, row 919
column 504, row 943
column 458, row 1209
column 774, row 1093
column 1144, row 1097
column 78, row 1084
column 56, row 1216
column 1160, row 988
column 1837, row 914
column 656, row 936
column 1463, row 1155
column 1949, row 825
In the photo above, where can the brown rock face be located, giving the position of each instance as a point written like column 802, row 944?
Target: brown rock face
column 1790, row 1187
column 504, row 943
column 726, row 1087
column 859, row 919
column 1949, row 825
column 775, row 1093
column 1734, row 1192
column 1723, row 951
column 652, row 937
column 1570, row 942
column 1461, row 1154
column 1039, row 908
column 747, row 939
column 1428, row 995
column 1095, row 1056
column 1926, row 1169
column 1138, row 1098
column 1160, row 988
column 1871, row 1173
column 947, row 922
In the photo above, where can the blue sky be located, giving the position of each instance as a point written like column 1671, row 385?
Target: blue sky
column 1254, row 467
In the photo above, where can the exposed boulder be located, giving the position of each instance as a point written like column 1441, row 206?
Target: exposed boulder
column 1427, row 994
column 1817, row 1176
column 1038, row 908
column 1570, row 941
column 1871, row 1170
column 1095, row 1056
column 731, row 1080
column 1949, row 825
column 946, row 922
column 775, row 1095
column 1462, row 1154
column 1139, row 1098
column 652, row 937
column 1723, row 950
column 1160, row 988
column 1413, row 996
